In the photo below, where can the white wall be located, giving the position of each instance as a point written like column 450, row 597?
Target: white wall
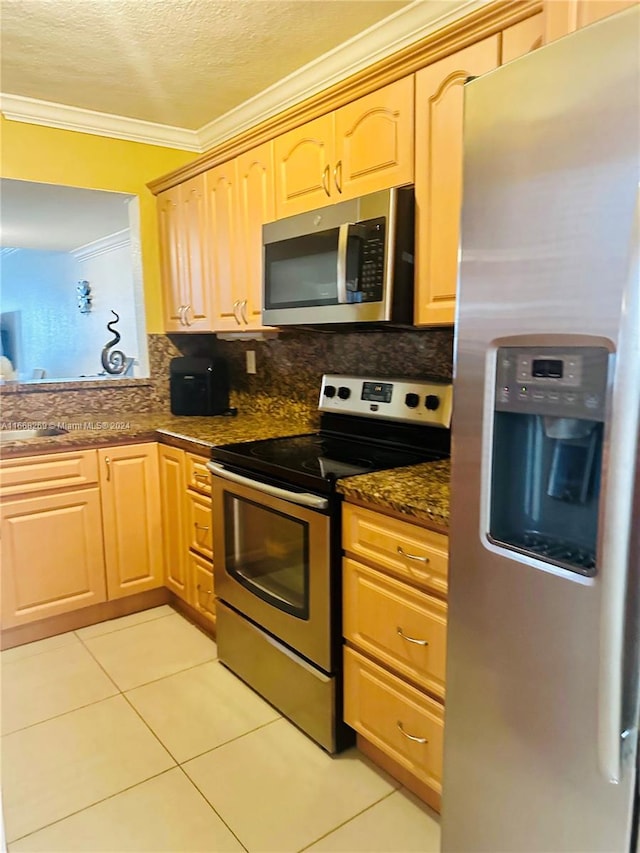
column 54, row 334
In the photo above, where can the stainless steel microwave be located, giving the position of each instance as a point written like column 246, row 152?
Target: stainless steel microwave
column 351, row 262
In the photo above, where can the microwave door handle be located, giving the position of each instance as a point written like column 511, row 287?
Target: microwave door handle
column 301, row 498
column 343, row 243
column 618, row 540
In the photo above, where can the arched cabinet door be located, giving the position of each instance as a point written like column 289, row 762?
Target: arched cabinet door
column 256, row 206
column 304, row 158
column 438, row 182
column 222, row 241
column 183, row 253
column 374, row 142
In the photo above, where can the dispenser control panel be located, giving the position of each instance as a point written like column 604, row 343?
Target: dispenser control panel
column 568, row 382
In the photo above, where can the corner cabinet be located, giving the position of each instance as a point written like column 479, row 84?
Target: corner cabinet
column 363, row 147
column 185, row 486
column 394, row 625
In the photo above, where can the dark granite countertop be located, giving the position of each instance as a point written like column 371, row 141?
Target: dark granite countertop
column 197, row 434
column 420, row 492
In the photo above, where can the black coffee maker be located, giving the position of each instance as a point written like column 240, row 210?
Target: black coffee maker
column 199, row 386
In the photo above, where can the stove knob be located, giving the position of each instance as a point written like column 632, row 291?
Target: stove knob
column 343, row 392
column 432, row 402
column 330, row 391
column 412, row 400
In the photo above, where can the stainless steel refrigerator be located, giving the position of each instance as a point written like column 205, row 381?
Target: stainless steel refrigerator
column 542, row 676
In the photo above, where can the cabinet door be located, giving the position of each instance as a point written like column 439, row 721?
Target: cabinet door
column 202, row 597
column 304, row 159
column 199, row 527
column 171, row 463
column 223, row 244
column 130, row 491
column 256, row 206
column 170, row 228
column 52, row 551
column 439, row 99
column 522, row 38
column 183, row 251
column 195, row 252
column 374, row 141
column 565, row 16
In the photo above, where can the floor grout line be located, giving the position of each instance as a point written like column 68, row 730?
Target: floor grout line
column 91, row 805
column 231, row 740
column 124, row 627
column 63, row 714
column 211, row 806
column 348, row 820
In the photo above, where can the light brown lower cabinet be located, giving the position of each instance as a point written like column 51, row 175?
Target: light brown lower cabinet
column 394, row 625
column 130, row 493
column 78, row 528
column 187, row 528
column 52, row 555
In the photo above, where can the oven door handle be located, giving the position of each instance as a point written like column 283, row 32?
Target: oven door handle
column 302, row 498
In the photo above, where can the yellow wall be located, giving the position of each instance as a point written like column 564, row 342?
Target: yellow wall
column 32, row 153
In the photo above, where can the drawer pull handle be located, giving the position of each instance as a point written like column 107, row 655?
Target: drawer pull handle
column 206, row 591
column 415, row 557
column 108, row 464
column 410, row 737
column 411, row 639
column 201, row 478
column 199, row 526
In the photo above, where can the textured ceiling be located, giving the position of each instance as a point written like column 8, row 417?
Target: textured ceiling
column 175, row 62
column 59, row 219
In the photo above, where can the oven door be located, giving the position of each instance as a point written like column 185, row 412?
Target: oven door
column 272, row 561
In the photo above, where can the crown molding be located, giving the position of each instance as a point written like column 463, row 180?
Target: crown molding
column 410, row 24
column 102, row 245
column 49, row 114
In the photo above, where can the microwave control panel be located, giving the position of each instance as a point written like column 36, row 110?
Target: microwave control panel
column 365, row 261
column 408, row 400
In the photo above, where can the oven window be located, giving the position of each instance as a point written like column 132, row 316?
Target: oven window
column 268, row 553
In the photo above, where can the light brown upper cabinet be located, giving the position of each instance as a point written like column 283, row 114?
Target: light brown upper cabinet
column 183, row 257
column 222, row 243
column 565, row 16
column 360, row 148
column 439, row 101
column 522, row 38
column 255, row 205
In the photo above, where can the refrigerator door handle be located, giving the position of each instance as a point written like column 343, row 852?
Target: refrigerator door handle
column 618, row 505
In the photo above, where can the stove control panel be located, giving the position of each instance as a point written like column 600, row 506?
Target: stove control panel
column 408, row 400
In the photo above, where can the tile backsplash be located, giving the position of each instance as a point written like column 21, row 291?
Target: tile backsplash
column 288, row 368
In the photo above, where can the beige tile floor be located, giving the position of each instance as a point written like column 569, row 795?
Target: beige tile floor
column 131, row 736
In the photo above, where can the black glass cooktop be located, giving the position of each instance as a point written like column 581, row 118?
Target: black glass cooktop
column 316, row 460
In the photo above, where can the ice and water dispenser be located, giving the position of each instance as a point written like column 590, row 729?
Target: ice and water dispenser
column 547, row 452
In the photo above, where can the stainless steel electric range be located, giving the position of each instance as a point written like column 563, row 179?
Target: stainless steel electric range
column 276, row 522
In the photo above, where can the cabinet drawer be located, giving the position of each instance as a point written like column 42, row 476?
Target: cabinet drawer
column 41, row 473
column 403, row 627
column 199, row 527
column 404, row 549
column 203, row 598
column 401, row 721
column 198, row 476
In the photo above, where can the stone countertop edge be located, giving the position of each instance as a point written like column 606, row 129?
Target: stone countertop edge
column 418, row 492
